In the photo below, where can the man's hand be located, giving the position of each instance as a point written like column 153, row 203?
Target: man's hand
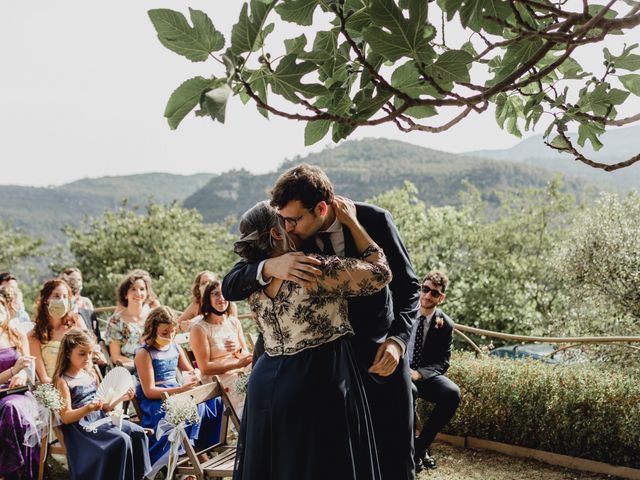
column 294, row 266
column 415, row 375
column 387, row 358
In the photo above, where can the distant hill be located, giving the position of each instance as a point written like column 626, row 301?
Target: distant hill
column 619, row 144
column 362, row 169
column 43, row 211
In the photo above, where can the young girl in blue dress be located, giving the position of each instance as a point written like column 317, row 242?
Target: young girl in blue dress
column 155, row 370
column 107, row 452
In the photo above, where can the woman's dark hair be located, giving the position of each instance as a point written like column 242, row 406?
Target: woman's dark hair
column 256, row 242
column 206, row 308
column 127, row 283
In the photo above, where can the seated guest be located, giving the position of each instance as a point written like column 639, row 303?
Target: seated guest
column 125, row 327
column 12, row 303
column 218, row 343
column 8, row 279
column 18, row 411
column 155, row 370
column 73, row 277
column 430, row 351
column 191, row 315
column 53, row 319
column 108, row 452
column 81, row 305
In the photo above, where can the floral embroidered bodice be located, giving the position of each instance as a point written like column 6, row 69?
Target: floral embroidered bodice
column 298, row 318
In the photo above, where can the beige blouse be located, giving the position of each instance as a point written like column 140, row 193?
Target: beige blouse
column 299, row 318
column 216, row 335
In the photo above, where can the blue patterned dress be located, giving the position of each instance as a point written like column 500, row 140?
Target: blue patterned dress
column 108, row 453
column 206, row 433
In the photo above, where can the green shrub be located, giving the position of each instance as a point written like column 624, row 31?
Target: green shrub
column 578, row 410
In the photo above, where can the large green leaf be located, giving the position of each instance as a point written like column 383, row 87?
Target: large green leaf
column 174, row 32
column 474, row 14
column 590, row 131
column 297, row 11
column 629, row 62
column 186, row 97
column 315, row 131
column 245, row 35
column 451, row 66
column 599, row 100
column 393, row 36
column 516, row 54
column 215, row 101
column 631, row 82
column 287, row 79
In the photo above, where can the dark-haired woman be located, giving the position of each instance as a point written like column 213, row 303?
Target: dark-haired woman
column 218, row 343
column 125, row 327
column 191, row 314
column 306, row 413
column 53, row 319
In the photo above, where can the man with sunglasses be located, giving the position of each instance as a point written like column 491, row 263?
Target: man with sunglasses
column 304, row 199
column 429, row 353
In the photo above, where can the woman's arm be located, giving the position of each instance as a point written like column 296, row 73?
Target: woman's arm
column 116, row 355
column 185, row 318
column 349, row 277
column 71, row 415
column 200, row 347
column 144, row 367
column 34, row 348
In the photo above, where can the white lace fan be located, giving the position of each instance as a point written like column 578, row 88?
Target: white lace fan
column 115, row 385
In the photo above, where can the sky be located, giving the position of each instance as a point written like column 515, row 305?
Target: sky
column 83, row 86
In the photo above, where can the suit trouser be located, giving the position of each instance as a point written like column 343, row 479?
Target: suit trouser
column 446, row 396
column 391, row 405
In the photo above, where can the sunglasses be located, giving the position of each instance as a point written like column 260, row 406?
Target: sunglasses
column 434, row 293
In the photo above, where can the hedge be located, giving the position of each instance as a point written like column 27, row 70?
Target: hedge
column 578, row 410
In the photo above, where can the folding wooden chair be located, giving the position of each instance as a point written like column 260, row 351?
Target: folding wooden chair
column 221, row 465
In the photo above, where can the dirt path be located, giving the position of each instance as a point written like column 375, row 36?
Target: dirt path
column 454, row 464
column 467, row 464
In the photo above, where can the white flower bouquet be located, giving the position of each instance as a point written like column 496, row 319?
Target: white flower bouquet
column 241, row 384
column 181, row 410
column 49, row 397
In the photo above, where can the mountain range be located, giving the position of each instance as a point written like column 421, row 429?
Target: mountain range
column 359, row 169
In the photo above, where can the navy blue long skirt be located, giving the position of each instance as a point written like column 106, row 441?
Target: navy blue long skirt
column 306, row 417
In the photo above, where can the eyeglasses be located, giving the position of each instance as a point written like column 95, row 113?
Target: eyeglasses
column 290, row 221
column 434, row 293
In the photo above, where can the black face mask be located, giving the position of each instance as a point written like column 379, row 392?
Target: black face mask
column 218, row 312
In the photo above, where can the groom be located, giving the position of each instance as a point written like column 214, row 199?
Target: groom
column 382, row 322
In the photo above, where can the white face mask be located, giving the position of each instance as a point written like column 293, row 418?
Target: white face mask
column 58, row 308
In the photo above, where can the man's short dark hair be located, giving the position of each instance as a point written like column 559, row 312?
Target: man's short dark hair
column 438, row 278
column 306, row 183
column 7, row 276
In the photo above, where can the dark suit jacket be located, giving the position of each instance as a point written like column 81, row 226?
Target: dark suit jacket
column 436, row 351
column 389, row 312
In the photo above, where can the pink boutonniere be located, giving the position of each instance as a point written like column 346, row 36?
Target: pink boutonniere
column 439, row 322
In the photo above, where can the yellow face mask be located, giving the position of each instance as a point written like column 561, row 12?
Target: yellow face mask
column 163, row 341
